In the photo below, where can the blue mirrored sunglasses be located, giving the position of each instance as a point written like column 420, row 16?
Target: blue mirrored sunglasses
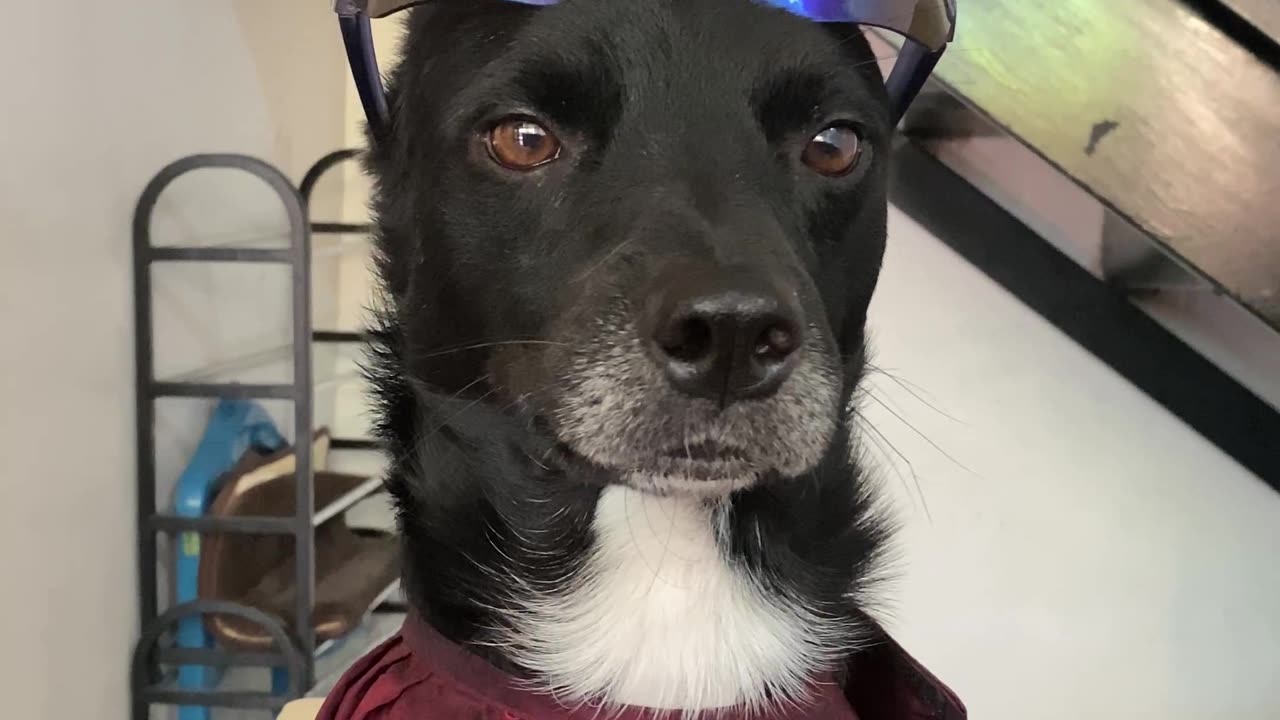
column 927, row 25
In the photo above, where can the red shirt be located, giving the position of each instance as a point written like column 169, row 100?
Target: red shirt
column 419, row 675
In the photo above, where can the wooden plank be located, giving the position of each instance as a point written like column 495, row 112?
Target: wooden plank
column 1151, row 109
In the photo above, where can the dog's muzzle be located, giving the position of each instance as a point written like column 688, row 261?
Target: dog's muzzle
column 723, row 334
column 711, row 381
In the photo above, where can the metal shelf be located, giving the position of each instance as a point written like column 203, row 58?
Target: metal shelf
column 221, row 390
column 327, row 239
column 171, row 695
column 218, row 254
column 329, row 368
column 217, row 658
column 247, row 376
column 170, row 523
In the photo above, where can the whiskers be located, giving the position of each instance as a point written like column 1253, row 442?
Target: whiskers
column 866, row 435
column 447, row 351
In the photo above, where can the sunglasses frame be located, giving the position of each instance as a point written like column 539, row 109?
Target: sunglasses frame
column 916, row 60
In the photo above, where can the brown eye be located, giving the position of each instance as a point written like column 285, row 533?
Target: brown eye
column 834, row 151
column 522, row 144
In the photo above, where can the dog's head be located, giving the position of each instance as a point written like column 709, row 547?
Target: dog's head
column 652, row 228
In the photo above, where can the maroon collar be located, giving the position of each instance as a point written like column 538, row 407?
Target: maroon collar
column 884, row 683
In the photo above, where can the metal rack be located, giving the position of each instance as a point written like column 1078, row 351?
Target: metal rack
column 295, row 653
column 336, row 337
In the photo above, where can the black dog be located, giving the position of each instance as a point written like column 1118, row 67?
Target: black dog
column 627, row 248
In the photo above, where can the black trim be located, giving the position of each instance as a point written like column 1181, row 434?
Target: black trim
column 1239, row 28
column 1092, row 314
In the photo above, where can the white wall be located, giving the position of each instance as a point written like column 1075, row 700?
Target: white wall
column 1070, row 549
column 97, row 97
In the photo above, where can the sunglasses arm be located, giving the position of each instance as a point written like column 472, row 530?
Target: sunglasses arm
column 357, row 37
column 914, row 66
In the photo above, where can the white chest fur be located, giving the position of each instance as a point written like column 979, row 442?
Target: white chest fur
column 661, row 619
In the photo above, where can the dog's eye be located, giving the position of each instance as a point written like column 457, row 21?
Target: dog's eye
column 834, row 151
column 522, row 144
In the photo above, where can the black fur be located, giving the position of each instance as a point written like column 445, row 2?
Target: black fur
column 693, row 107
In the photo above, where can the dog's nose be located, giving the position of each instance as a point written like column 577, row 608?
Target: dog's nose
column 725, row 335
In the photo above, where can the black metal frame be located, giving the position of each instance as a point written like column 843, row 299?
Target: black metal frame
column 336, row 337
column 296, row 654
column 148, row 687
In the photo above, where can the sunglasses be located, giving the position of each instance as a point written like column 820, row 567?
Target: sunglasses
column 927, row 26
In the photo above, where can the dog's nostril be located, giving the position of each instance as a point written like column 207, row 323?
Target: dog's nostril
column 725, row 334
column 688, row 339
column 776, row 343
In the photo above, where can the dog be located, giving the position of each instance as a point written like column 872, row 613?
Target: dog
column 626, row 251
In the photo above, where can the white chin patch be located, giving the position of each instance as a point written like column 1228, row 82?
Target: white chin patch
column 660, row 619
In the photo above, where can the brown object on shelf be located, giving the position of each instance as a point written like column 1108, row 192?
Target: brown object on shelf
column 353, row 568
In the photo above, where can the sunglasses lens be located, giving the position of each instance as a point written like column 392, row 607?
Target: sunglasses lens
column 929, row 22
